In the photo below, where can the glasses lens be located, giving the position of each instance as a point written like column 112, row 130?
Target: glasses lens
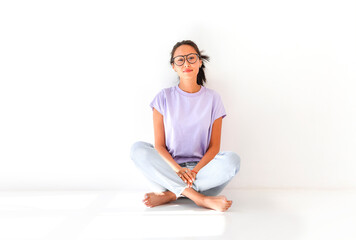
column 179, row 61
column 192, row 58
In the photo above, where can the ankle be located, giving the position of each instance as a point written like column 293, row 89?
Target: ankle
column 201, row 201
column 171, row 195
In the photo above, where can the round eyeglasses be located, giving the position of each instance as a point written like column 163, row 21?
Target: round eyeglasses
column 191, row 58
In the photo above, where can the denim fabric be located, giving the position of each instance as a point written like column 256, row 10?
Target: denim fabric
column 189, row 165
column 210, row 180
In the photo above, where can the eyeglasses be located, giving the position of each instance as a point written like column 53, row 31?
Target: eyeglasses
column 191, row 58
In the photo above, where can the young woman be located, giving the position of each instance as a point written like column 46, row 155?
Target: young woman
column 186, row 160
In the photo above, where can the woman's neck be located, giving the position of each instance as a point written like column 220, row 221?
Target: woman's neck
column 189, row 87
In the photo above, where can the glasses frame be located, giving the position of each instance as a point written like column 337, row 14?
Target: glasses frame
column 186, row 57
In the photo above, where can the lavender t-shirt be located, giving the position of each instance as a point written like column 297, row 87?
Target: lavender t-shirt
column 188, row 120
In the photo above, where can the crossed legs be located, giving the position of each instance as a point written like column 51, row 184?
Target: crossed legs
column 158, row 172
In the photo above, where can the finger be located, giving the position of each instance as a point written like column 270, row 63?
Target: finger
column 188, row 176
column 191, row 183
column 187, row 181
column 184, row 179
column 181, row 175
column 184, row 174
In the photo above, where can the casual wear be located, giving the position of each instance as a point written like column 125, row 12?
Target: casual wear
column 209, row 181
column 188, row 120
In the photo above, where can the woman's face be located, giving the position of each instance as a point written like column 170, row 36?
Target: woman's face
column 183, row 70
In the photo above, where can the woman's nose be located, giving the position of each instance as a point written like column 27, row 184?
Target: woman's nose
column 186, row 63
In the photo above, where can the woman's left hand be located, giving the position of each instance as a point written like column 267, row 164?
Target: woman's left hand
column 193, row 176
column 187, row 175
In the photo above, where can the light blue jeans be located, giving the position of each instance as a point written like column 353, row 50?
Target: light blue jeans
column 210, row 180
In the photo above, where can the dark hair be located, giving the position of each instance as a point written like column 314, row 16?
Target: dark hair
column 201, row 75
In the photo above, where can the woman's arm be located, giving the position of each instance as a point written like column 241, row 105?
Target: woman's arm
column 160, row 140
column 214, row 146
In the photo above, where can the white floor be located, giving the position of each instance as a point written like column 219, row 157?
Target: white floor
column 255, row 214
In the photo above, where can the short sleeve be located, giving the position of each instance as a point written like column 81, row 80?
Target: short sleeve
column 159, row 103
column 218, row 108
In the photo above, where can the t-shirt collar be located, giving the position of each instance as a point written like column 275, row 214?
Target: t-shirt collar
column 178, row 89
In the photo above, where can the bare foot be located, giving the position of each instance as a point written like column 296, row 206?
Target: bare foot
column 154, row 199
column 218, row 203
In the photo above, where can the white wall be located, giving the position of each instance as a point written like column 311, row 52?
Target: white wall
column 77, row 78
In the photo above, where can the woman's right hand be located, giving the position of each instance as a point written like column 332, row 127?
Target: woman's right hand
column 187, row 176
